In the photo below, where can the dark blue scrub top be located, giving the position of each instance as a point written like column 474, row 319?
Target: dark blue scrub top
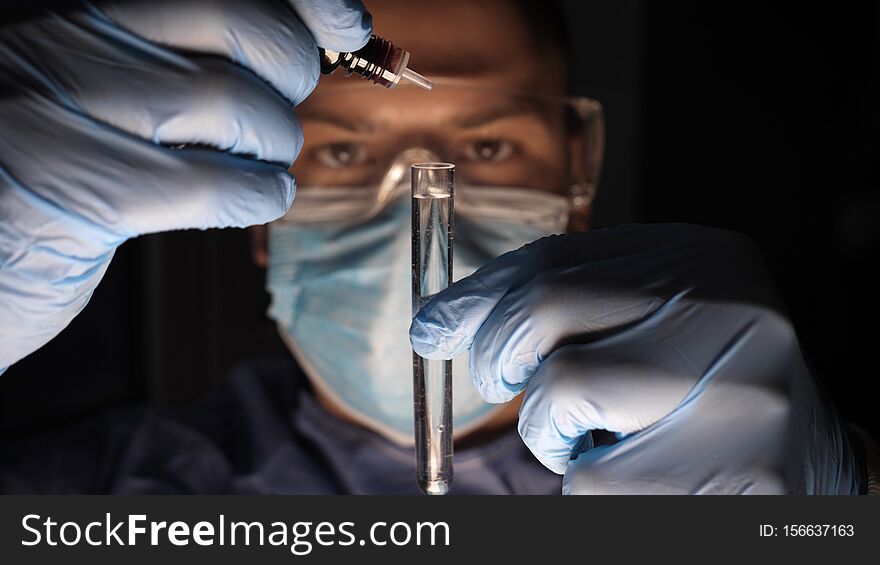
column 263, row 432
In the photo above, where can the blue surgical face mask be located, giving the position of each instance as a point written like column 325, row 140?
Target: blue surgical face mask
column 341, row 296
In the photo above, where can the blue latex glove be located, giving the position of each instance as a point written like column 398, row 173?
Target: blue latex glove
column 672, row 337
column 126, row 118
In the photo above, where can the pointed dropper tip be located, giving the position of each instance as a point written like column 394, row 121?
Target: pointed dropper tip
column 417, row 79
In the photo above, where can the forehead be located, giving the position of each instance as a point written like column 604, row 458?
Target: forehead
column 486, row 42
column 375, row 110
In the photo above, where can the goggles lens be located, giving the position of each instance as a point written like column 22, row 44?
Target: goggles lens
column 496, row 138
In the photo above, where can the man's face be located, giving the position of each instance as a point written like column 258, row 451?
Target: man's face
column 354, row 129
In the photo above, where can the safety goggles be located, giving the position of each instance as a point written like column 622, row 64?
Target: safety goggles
column 507, row 146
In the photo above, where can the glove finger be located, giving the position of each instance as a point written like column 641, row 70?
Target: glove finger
column 121, row 186
column 711, row 446
column 667, row 366
column 338, row 25
column 663, row 259
column 612, row 387
column 263, row 36
column 558, row 306
column 155, row 93
column 220, row 105
column 210, row 102
column 447, row 324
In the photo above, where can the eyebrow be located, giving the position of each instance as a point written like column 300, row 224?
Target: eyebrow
column 339, row 121
column 518, row 108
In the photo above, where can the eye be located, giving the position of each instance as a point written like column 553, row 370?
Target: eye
column 339, row 155
column 489, row 150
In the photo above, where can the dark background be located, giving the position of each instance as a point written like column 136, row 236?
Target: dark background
column 749, row 116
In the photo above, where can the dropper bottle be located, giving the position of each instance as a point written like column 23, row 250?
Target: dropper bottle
column 378, row 61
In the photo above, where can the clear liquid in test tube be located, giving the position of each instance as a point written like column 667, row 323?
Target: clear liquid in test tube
column 432, row 209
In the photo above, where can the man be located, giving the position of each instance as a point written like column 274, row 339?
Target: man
column 669, row 339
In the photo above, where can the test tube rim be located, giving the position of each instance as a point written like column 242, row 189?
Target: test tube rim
column 433, row 166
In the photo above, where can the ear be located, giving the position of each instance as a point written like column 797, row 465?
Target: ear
column 259, row 245
column 587, row 146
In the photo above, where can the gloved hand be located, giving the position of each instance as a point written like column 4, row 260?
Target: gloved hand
column 671, row 337
column 125, row 118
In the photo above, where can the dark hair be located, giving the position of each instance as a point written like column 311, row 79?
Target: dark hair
column 548, row 20
column 551, row 31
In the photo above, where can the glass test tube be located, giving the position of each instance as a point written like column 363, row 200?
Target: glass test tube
column 432, row 208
